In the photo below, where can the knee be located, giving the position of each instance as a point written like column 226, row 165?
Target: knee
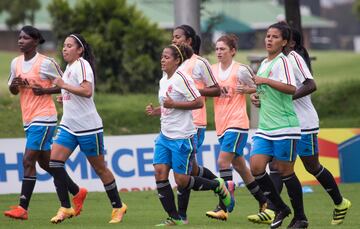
column 100, row 170
column 223, row 164
column 312, row 169
column 28, row 163
column 160, row 174
column 181, row 182
column 256, row 170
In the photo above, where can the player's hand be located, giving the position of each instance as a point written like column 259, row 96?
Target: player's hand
column 59, row 99
column 38, row 89
column 18, row 82
column 168, row 102
column 255, row 100
column 59, row 82
column 259, row 80
column 242, row 88
column 149, row 109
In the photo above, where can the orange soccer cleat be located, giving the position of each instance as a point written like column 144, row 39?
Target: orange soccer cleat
column 17, row 212
column 78, row 200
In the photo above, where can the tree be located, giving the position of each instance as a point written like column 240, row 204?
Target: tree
column 20, row 12
column 356, row 8
column 127, row 46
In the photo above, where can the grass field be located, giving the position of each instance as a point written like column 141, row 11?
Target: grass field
column 144, row 210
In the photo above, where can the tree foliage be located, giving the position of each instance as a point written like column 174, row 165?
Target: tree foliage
column 356, row 8
column 19, row 11
column 126, row 45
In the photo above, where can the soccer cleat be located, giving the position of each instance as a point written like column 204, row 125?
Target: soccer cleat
column 263, row 207
column 225, row 195
column 118, row 213
column 78, row 200
column 298, row 224
column 170, row 222
column 340, row 212
column 279, row 217
column 263, row 217
column 218, row 213
column 17, row 212
column 231, row 187
column 62, row 214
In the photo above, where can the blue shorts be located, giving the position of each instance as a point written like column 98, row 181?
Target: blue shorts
column 90, row 145
column 177, row 153
column 39, row 137
column 233, row 142
column 200, row 136
column 282, row 150
column 307, row 145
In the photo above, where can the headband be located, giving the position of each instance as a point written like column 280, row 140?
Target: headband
column 177, row 48
column 72, row 35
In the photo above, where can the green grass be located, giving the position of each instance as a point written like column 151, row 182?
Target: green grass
column 144, row 210
column 336, row 75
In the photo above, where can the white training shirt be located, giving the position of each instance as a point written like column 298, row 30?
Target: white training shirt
column 305, row 110
column 177, row 123
column 244, row 74
column 201, row 71
column 80, row 116
column 49, row 69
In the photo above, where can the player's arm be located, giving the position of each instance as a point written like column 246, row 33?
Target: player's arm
column 197, row 103
column 49, row 70
column 203, row 72
column 152, row 111
column 84, row 90
column 13, row 81
column 309, row 86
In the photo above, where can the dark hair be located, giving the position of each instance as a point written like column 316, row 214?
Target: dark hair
column 230, row 40
column 299, row 47
column 190, row 33
column 183, row 52
column 285, row 33
column 33, row 32
column 87, row 53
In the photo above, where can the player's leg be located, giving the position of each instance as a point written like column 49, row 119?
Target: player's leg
column 309, row 154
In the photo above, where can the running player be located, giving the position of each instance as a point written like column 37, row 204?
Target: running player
column 175, row 146
column 278, row 126
column 80, row 126
column 231, row 120
column 31, row 75
column 199, row 69
column 307, row 146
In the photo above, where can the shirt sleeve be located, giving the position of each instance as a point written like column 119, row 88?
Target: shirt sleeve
column 49, row 69
column 12, row 71
column 202, row 72
column 186, row 86
column 84, row 72
column 244, row 74
column 301, row 70
column 282, row 71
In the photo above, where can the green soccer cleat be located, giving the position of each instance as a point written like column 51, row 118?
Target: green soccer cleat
column 170, row 222
column 340, row 212
column 225, row 195
column 263, row 217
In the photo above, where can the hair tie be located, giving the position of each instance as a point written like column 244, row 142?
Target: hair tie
column 74, row 36
column 177, row 48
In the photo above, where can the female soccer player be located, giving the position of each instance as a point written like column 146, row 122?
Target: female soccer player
column 175, row 146
column 279, row 127
column 199, row 69
column 231, row 120
column 31, row 75
column 80, row 126
column 307, row 146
